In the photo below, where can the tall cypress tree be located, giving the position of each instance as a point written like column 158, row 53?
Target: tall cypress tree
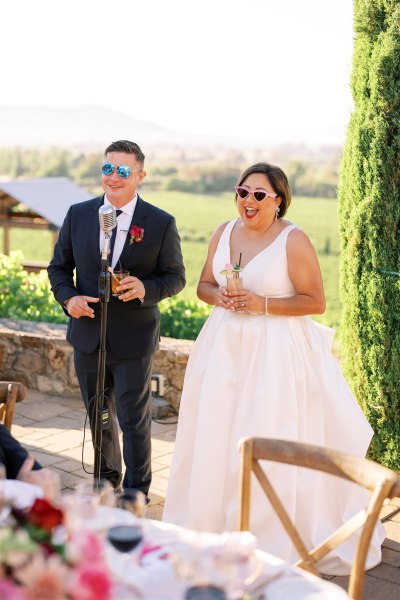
column 369, row 217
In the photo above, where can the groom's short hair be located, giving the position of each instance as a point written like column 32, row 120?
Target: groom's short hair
column 128, row 148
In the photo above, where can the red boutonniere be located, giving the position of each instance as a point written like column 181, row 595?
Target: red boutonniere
column 136, row 234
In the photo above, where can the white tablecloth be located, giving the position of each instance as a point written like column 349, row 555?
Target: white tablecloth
column 148, row 571
column 21, row 494
column 153, row 577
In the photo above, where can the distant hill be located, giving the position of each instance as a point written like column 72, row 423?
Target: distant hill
column 89, row 128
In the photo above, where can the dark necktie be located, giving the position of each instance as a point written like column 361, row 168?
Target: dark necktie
column 113, row 236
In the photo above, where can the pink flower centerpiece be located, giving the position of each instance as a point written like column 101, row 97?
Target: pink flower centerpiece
column 38, row 562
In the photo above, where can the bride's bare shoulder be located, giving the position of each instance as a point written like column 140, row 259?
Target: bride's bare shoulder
column 298, row 240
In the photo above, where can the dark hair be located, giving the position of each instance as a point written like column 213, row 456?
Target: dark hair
column 127, row 147
column 278, row 181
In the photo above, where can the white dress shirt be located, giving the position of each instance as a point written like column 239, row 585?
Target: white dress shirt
column 123, row 224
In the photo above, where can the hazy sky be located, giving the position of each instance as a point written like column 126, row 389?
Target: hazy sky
column 272, row 70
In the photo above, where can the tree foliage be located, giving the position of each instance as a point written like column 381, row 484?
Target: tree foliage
column 369, row 213
column 314, row 176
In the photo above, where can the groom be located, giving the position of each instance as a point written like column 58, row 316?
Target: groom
column 147, row 245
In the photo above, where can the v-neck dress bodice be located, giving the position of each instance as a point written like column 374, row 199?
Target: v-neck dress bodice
column 266, row 376
column 266, row 273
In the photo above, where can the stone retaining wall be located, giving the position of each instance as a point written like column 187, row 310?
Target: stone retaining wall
column 38, row 355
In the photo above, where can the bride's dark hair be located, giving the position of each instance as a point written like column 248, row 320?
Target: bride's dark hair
column 277, row 179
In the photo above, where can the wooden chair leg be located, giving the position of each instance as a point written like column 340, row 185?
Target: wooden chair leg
column 357, row 576
column 12, row 391
column 245, row 475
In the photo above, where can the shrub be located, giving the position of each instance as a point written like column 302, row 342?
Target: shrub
column 182, row 319
column 27, row 296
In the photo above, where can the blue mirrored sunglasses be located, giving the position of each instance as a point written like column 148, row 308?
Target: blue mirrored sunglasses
column 122, row 170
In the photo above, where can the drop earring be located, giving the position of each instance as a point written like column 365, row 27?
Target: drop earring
column 277, row 211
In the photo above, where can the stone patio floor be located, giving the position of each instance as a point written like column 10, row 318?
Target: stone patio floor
column 52, row 429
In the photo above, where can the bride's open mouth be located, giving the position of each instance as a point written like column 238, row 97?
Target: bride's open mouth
column 250, row 212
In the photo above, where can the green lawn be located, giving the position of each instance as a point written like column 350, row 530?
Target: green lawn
column 198, row 216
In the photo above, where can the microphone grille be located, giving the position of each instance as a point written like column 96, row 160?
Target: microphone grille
column 107, row 218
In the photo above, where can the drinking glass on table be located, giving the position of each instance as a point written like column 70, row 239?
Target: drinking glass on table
column 81, row 504
column 205, row 592
column 216, row 564
column 106, row 493
column 134, row 501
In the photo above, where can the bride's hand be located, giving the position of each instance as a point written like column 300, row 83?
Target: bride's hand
column 224, row 300
column 240, row 300
column 247, row 301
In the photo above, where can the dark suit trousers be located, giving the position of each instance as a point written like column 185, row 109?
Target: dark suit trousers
column 12, row 454
column 128, row 388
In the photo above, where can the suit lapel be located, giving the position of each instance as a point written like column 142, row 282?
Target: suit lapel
column 139, row 218
column 94, row 229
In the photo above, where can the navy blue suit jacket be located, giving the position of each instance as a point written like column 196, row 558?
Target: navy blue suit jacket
column 132, row 331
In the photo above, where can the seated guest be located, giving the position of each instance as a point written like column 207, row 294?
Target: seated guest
column 19, row 464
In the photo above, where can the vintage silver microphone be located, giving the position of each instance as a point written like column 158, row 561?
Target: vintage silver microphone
column 108, row 222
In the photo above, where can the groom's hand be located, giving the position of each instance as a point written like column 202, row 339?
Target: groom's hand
column 77, row 306
column 131, row 288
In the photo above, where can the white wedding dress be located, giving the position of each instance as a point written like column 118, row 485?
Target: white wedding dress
column 267, row 376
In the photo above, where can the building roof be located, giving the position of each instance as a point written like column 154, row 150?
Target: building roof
column 49, row 197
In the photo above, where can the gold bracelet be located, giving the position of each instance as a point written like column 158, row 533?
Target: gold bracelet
column 266, row 305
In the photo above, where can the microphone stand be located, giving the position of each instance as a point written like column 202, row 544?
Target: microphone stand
column 104, row 295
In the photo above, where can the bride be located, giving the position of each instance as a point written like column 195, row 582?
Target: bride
column 262, row 367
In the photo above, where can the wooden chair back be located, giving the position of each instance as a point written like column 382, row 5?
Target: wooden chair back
column 382, row 482
column 11, row 392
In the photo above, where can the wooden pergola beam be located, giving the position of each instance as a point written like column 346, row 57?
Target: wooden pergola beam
column 8, row 222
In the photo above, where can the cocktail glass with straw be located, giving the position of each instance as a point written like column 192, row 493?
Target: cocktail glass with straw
column 233, row 278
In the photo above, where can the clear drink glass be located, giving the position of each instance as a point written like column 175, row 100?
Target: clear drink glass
column 81, row 504
column 134, row 501
column 116, row 277
column 234, row 281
